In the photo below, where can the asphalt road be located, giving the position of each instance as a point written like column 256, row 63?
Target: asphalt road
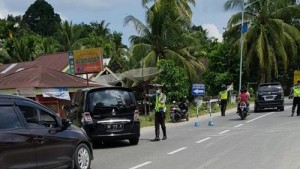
column 265, row 140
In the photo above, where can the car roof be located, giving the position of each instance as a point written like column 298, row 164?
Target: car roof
column 7, row 99
column 269, row 83
column 104, row 87
column 9, row 96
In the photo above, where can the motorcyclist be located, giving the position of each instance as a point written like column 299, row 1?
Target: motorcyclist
column 183, row 105
column 244, row 97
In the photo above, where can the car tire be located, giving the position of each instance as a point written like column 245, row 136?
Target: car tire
column 134, row 141
column 82, row 157
column 281, row 108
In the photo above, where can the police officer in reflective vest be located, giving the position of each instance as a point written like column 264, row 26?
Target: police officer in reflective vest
column 160, row 113
column 296, row 100
column 223, row 95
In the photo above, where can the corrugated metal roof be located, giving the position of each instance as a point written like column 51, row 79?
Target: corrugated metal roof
column 41, row 77
column 56, row 61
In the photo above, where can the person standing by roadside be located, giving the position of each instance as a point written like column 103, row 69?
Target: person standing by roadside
column 160, row 113
column 295, row 92
column 222, row 99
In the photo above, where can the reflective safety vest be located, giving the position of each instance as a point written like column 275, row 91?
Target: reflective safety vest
column 296, row 91
column 223, row 95
column 158, row 104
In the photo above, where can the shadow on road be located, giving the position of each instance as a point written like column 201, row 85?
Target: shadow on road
column 111, row 144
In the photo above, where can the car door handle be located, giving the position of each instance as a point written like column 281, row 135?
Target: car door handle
column 39, row 140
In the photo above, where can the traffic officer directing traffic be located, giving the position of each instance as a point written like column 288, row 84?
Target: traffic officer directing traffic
column 223, row 99
column 160, row 113
column 296, row 100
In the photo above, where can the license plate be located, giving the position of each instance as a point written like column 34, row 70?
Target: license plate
column 114, row 127
column 269, row 98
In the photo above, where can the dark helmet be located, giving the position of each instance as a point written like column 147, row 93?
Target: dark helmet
column 223, row 87
column 243, row 89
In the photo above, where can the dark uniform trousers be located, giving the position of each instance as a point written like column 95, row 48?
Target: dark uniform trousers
column 160, row 117
column 296, row 102
column 223, row 106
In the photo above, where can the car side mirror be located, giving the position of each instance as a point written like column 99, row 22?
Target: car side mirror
column 66, row 123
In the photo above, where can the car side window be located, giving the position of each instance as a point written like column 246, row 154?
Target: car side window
column 9, row 118
column 37, row 118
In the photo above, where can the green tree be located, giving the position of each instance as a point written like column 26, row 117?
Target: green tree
column 47, row 45
column 22, row 49
column 41, row 19
column 100, row 29
column 69, row 36
column 165, row 36
column 222, row 68
column 270, row 41
column 174, row 79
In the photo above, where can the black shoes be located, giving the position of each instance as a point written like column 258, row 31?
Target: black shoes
column 155, row 139
column 158, row 139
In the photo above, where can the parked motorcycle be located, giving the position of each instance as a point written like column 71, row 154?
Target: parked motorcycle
column 179, row 111
column 243, row 110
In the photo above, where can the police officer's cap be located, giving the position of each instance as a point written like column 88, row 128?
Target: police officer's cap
column 158, row 86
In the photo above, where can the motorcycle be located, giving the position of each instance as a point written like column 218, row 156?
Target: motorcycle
column 243, row 110
column 179, row 111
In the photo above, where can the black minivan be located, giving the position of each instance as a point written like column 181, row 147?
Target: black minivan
column 33, row 136
column 106, row 113
column 269, row 95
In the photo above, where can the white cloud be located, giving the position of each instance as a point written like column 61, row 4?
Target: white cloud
column 213, row 31
column 3, row 11
column 11, row 8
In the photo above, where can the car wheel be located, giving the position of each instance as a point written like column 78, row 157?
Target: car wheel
column 281, row 108
column 134, row 141
column 82, row 157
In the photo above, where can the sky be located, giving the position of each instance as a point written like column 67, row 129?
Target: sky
column 210, row 14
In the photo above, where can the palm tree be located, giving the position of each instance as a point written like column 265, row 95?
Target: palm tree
column 47, row 46
column 21, row 50
column 270, row 42
column 69, row 36
column 165, row 35
column 100, row 29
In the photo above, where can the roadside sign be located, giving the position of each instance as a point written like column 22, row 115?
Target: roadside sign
column 88, row 61
column 198, row 89
column 71, row 63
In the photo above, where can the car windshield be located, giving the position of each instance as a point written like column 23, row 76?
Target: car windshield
column 111, row 98
column 264, row 88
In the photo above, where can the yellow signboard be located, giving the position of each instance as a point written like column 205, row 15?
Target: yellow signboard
column 88, row 61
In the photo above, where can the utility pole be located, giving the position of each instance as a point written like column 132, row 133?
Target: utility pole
column 242, row 41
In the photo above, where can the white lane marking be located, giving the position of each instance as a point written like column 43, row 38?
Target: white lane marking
column 200, row 141
column 259, row 117
column 225, row 131
column 239, row 125
column 141, row 165
column 173, row 152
